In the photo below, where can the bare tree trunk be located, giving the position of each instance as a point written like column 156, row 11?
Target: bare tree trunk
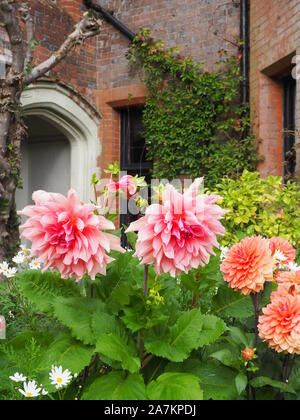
column 12, row 128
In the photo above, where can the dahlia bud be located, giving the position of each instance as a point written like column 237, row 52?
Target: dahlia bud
column 248, row 354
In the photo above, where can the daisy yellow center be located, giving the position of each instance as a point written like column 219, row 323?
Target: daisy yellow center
column 59, row 380
column 29, row 394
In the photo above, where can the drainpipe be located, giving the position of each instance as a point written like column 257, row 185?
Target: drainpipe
column 245, row 48
column 109, row 17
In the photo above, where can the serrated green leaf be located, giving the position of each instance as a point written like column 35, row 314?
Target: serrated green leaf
column 43, row 288
column 119, row 349
column 217, row 381
column 232, row 304
column 77, row 315
column 212, row 329
column 66, row 352
column 117, row 386
column 182, row 338
column 175, row 386
column 262, row 381
column 226, row 358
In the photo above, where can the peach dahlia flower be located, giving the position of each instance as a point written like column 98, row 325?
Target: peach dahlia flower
column 180, row 233
column 290, row 277
column 279, row 325
column 68, row 236
column 248, row 265
column 284, row 247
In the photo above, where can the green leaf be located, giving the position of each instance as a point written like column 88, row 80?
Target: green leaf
column 66, row 352
column 226, row 357
column 262, row 381
column 43, row 288
column 241, row 382
column 212, row 329
column 175, row 386
column 183, row 337
column 232, row 304
column 120, row 349
column 117, row 386
column 77, row 314
column 217, row 381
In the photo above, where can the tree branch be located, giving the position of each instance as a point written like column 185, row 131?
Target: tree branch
column 88, row 27
column 27, row 19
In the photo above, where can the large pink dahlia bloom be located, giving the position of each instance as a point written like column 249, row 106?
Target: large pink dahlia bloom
column 68, row 236
column 179, row 234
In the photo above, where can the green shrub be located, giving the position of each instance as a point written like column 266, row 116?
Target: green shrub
column 260, row 206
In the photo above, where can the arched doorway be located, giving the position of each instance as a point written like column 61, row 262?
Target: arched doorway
column 45, row 160
column 64, row 131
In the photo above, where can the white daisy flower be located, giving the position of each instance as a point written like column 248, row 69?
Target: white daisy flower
column 280, row 258
column 18, row 377
column 34, row 265
column 11, row 272
column 293, row 266
column 4, row 267
column 19, row 259
column 60, row 378
column 224, row 250
column 25, row 250
column 30, row 390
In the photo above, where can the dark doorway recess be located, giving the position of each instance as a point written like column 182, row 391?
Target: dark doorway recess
column 289, row 126
column 133, row 157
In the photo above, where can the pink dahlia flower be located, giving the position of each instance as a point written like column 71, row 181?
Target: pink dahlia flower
column 279, row 325
column 180, row 233
column 127, row 185
column 248, row 265
column 283, row 247
column 68, row 236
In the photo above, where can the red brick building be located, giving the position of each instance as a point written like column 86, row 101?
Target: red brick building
column 78, row 115
column 274, row 90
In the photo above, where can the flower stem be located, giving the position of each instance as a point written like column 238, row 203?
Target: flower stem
column 255, row 300
column 146, row 275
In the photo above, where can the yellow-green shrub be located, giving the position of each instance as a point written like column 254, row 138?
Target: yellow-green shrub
column 260, row 206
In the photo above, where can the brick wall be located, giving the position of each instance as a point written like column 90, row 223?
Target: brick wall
column 99, row 71
column 275, row 39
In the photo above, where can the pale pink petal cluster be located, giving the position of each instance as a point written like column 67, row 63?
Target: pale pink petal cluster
column 127, row 185
column 68, row 236
column 179, row 234
column 279, row 245
column 279, row 325
column 248, row 265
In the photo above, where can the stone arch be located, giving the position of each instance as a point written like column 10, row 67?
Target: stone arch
column 53, row 103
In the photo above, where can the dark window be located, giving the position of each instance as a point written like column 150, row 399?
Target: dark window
column 133, row 151
column 289, row 125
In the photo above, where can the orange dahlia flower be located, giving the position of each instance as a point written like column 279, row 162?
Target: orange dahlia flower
column 248, row 265
column 248, row 354
column 279, row 325
column 292, row 277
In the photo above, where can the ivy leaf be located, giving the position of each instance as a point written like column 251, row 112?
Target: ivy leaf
column 182, row 338
column 77, row 314
column 119, row 349
column 175, row 386
column 262, row 381
column 117, row 386
column 217, row 381
column 241, row 382
column 43, row 288
column 212, row 329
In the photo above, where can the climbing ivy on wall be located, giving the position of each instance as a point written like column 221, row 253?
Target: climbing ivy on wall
column 194, row 123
